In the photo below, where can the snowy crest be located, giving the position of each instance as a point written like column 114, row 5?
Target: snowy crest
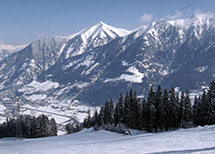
column 92, row 37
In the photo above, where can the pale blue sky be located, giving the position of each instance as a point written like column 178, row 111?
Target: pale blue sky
column 22, row 21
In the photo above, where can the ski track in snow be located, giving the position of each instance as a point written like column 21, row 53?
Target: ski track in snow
column 200, row 140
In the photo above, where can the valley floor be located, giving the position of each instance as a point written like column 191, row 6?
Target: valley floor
column 200, row 140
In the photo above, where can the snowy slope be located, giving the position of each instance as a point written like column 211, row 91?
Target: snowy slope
column 200, row 140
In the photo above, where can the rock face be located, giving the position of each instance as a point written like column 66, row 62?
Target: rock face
column 100, row 62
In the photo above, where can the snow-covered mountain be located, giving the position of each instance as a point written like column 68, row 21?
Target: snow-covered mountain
column 88, row 39
column 23, row 66
column 21, row 69
column 6, row 50
column 165, row 52
column 99, row 62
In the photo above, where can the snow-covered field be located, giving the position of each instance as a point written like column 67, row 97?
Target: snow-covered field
column 199, row 140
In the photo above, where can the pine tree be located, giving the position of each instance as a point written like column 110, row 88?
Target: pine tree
column 101, row 117
column 166, row 114
column 173, row 109
column 109, row 112
column 106, row 112
column 19, row 128
column 126, row 110
column 121, row 109
column 112, row 106
column 211, row 103
column 116, row 115
column 150, row 111
column 196, row 111
column 131, row 109
column 53, row 127
column 151, row 97
column 181, row 108
column 187, row 109
column 137, row 112
column 159, row 108
column 88, row 120
column 96, row 118
column 144, row 113
column 150, row 116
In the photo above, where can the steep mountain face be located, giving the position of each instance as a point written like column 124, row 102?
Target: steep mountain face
column 100, row 62
column 193, row 66
column 23, row 66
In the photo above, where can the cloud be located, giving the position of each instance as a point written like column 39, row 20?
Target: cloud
column 177, row 14
column 146, row 18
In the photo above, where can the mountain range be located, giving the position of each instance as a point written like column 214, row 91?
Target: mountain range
column 102, row 61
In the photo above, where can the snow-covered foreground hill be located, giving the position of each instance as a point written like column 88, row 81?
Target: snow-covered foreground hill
column 194, row 140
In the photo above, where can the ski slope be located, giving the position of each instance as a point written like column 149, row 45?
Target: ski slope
column 200, row 140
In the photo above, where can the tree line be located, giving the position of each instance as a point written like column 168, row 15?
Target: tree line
column 27, row 126
column 160, row 111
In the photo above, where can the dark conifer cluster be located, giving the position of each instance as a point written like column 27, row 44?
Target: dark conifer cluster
column 28, row 127
column 161, row 111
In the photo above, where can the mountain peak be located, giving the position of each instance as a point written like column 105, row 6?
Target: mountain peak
column 102, row 23
column 97, row 35
column 101, row 29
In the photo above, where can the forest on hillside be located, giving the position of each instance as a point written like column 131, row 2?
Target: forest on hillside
column 159, row 111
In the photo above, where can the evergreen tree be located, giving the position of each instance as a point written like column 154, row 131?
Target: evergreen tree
column 150, row 117
column 166, row 114
column 151, row 97
column 53, row 127
column 196, row 111
column 144, row 114
column 137, row 112
column 159, row 108
column 96, row 118
column 187, row 108
column 211, row 103
column 131, row 109
column 106, row 112
column 205, row 115
column 111, row 112
column 126, row 110
column 28, row 127
column 187, row 116
column 88, row 120
column 121, row 109
column 18, row 127
column 173, row 109
column 181, row 108
column 160, row 111
column 101, row 117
